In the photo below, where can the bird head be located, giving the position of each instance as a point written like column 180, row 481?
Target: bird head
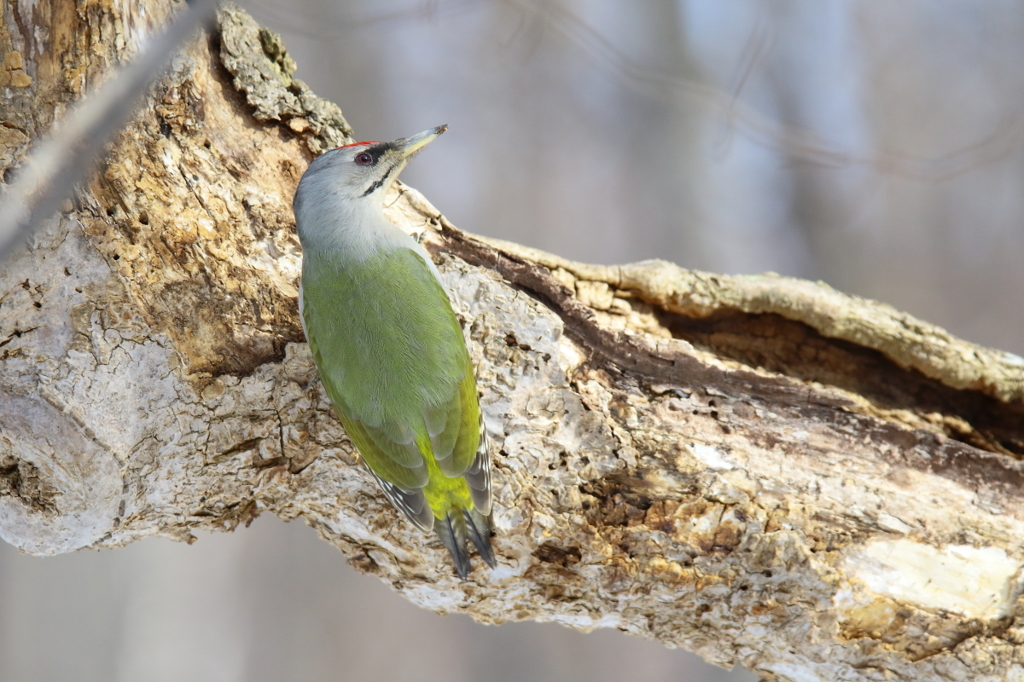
column 366, row 170
column 344, row 188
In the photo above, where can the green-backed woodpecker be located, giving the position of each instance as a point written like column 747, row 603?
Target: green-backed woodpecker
column 389, row 348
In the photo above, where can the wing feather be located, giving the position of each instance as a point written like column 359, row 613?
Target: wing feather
column 478, row 476
column 465, row 410
column 412, row 503
column 393, row 361
column 386, row 461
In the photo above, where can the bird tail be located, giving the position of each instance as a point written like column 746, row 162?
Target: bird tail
column 462, row 525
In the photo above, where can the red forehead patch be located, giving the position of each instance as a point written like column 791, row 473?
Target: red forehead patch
column 356, row 144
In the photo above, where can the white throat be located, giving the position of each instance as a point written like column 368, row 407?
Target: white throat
column 335, row 222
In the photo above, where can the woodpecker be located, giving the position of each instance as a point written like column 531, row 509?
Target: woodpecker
column 389, row 348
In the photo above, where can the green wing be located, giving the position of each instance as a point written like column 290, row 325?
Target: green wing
column 393, row 360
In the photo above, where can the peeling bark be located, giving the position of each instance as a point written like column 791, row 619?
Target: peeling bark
column 759, row 469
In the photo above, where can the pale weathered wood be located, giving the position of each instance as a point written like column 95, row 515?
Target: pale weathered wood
column 760, row 469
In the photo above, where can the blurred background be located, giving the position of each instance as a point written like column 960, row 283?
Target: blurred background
column 874, row 146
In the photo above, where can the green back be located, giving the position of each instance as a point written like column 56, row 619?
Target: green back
column 393, row 360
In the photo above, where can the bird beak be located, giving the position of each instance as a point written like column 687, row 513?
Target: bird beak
column 408, row 146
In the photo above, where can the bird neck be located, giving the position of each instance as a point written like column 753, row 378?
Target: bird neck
column 354, row 229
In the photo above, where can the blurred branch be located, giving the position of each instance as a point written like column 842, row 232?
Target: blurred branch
column 795, row 142
column 760, row 469
column 57, row 163
column 418, row 10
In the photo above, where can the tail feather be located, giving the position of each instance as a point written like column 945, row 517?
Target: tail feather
column 458, row 527
column 479, row 528
column 452, row 531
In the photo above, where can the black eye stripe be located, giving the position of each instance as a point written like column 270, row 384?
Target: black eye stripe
column 377, row 150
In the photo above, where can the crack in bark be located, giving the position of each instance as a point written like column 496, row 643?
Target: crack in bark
column 632, row 355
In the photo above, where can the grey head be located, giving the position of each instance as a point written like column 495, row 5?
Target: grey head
column 349, row 183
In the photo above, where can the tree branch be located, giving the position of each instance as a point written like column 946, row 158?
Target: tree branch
column 759, row 469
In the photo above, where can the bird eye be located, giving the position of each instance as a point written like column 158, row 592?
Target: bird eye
column 364, row 159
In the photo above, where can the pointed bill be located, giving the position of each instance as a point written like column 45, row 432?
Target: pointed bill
column 408, row 146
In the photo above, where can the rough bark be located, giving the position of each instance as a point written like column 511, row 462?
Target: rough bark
column 759, row 469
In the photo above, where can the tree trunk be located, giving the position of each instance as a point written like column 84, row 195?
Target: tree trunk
column 759, row 469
